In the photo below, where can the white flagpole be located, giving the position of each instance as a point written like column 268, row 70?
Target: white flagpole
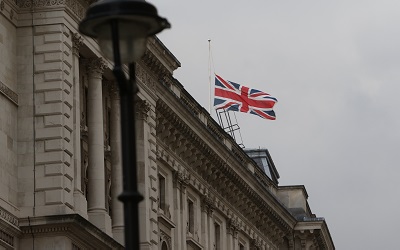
column 209, row 76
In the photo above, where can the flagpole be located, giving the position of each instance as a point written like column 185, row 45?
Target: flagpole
column 209, row 76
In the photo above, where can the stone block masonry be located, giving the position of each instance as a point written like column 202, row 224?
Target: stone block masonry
column 53, row 119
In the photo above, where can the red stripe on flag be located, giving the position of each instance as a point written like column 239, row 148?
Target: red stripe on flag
column 244, row 99
column 225, row 83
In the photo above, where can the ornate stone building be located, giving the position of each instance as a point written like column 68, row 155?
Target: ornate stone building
column 60, row 164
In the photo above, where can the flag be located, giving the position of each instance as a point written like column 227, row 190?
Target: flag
column 235, row 97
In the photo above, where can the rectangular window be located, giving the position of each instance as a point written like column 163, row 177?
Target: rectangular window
column 241, row 247
column 190, row 207
column 217, row 231
column 161, row 192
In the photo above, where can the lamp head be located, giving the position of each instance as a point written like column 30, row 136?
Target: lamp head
column 136, row 20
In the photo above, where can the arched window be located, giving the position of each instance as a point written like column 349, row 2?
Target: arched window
column 164, row 246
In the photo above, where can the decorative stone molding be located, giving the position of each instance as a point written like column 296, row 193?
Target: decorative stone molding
column 6, row 238
column 165, row 238
column 5, row 215
column 95, row 66
column 145, row 78
column 181, row 179
column 84, row 128
column 232, row 226
column 7, row 92
column 77, row 7
column 255, row 244
column 2, row 5
column 208, row 204
column 73, row 226
column 77, row 42
column 153, row 63
column 142, row 108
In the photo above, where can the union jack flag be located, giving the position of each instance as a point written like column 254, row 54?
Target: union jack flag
column 235, row 97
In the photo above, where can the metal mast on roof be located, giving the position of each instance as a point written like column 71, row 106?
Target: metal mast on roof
column 230, row 127
column 223, row 116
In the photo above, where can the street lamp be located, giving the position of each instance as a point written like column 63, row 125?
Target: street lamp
column 121, row 28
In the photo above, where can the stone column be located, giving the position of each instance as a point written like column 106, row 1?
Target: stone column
column 235, row 240
column 211, row 232
column 204, row 224
column 96, row 172
column 182, row 180
column 116, row 167
column 184, row 212
column 80, row 203
column 177, row 211
column 230, row 231
column 208, row 203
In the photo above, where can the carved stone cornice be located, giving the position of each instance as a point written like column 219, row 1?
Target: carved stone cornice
column 154, row 64
column 77, row 7
column 70, row 225
column 142, row 108
column 169, row 61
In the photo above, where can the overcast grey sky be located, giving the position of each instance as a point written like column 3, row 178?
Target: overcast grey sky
column 335, row 68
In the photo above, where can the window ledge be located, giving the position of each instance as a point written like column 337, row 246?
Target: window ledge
column 165, row 220
column 192, row 242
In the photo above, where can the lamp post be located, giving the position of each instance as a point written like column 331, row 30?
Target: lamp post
column 121, row 28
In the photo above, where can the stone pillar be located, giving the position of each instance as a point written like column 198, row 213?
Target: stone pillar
column 184, row 212
column 230, row 228
column 116, row 167
column 204, row 225
column 235, row 241
column 211, row 230
column 263, row 247
column 181, row 181
column 229, row 241
column 146, row 169
column 177, row 211
column 209, row 207
column 80, row 203
column 96, row 172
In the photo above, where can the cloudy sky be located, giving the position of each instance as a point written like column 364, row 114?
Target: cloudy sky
column 335, row 68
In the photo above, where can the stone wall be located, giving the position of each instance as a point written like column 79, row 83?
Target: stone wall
column 8, row 116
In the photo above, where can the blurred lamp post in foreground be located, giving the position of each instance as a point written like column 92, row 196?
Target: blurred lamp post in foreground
column 121, row 28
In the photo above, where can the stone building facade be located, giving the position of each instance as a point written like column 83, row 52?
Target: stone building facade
column 60, row 164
